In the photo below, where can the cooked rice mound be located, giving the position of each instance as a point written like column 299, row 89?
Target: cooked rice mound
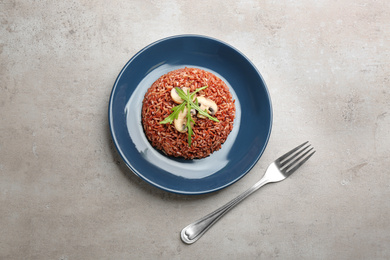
column 208, row 135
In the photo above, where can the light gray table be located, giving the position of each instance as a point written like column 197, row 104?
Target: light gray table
column 66, row 194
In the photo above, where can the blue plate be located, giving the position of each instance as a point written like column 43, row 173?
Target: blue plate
column 244, row 145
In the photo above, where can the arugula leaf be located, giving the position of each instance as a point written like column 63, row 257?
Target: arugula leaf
column 189, row 120
column 181, row 93
column 203, row 113
column 183, row 96
column 174, row 115
column 196, row 91
column 187, row 102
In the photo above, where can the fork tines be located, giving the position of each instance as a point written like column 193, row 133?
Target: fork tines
column 292, row 160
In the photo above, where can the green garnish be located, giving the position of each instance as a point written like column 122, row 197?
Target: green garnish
column 187, row 102
column 175, row 114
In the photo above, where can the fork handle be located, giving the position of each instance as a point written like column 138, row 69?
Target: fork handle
column 194, row 231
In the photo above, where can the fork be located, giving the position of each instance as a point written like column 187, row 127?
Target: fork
column 277, row 171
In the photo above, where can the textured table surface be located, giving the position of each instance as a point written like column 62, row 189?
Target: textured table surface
column 66, row 194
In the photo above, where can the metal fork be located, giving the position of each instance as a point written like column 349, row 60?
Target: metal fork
column 277, row 171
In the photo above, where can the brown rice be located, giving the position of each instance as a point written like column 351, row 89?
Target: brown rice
column 208, row 135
